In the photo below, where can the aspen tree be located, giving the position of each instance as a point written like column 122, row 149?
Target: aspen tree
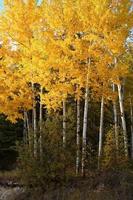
column 78, row 137
column 40, row 122
column 23, row 33
column 116, row 39
column 131, row 121
column 85, row 123
column 123, row 120
column 115, row 119
column 101, row 131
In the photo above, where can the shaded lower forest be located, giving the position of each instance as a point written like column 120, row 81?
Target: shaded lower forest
column 54, row 175
column 9, row 135
column 56, row 163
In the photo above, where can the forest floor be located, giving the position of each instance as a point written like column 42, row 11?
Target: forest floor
column 109, row 185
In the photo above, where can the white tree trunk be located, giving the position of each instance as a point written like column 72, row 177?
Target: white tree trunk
column 131, row 121
column 34, row 121
column 40, row 109
column 78, row 137
column 40, row 123
column 64, row 123
column 29, row 137
column 35, row 131
column 84, row 130
column 123, row 120
column 101, row 131
column 85, row 122
column 115, row 121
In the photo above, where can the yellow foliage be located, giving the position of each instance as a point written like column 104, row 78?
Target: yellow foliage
column 51, row 45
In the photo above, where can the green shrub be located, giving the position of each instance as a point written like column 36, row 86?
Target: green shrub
column 112, row 157
column 56, row 164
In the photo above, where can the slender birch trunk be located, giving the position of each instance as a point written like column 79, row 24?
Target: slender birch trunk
column 40, row 123
column 35, row 131
column 85, row 123
column 84, row 131
column 64, row 123
column 101, row 132
column 78, row 137
column 131, row 121
column 123, row 119
column 115, row 121
column 40, row 110
column 29, row 137
column 34, row 121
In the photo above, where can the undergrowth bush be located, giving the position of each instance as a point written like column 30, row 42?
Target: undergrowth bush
column 113, row 157
column 56, row 164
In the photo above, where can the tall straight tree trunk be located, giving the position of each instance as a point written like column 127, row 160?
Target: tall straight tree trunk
column 29, row 137
column 35, row 130
column 123, row 120
column 101, row 132
column 34, row 121
column 115, row 121
column 85, row 122
column 84, row 131
column 131, row 121
column 78, row 137
column 40, row 123
column 64, row 123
